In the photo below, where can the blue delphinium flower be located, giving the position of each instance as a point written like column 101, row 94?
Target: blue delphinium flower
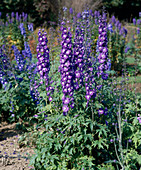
column 79, row 15
column 12, row 14
column 17, row 16
column 30, row 27
column 19, row 58
column 64, row 8
column 134, row 21
column 127, row 49
column 25, row 17
column 71, row 11
column 110, row 28
column 113, row 19
column 23, row 32
column 4, row 67
column 27, row 52
column 138, row 21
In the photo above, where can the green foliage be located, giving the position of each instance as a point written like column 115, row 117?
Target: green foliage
column 17, row 99
column 82, row 139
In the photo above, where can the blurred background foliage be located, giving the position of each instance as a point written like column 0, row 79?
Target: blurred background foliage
column 42, row 11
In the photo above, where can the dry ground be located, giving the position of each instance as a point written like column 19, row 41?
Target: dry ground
column 12, row 157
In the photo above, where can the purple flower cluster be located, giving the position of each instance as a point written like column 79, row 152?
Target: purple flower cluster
column 96, row 16
column 32, row 72
column 27, row 52
column 66, row 69
column 43, row 64
column 4, row 64
column 110, row 28
column 116, row 23
column 34, row 93
column 78, row 53
column 19, row 58
column 30, row 27
column 23, row 32
column 134, row 21
column 102, row 48
column 127, row 49
column 20, row 17
column 82, row 46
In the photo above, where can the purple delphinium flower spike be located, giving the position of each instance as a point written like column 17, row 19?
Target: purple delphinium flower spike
column 4, row 63
column 43, row 64
column 78, row 53
column 19, row 58
column 66, row 69
column 30, row 27
column 134, row 21
column 113, row 19
column 23, row 32
column 17, row 16
column 71, row 11
column 12, row 15
column 87, row 62
column 102, row 48
column 27, row 52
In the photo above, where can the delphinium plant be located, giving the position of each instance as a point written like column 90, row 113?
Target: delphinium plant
column 72, row 134
column 17, row 70
column 116, row 44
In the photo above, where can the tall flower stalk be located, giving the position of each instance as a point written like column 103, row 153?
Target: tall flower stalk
column 43, row 64
column 66, row 69
column 102, row 48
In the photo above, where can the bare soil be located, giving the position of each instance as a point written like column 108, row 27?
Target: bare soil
column 12, row 155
